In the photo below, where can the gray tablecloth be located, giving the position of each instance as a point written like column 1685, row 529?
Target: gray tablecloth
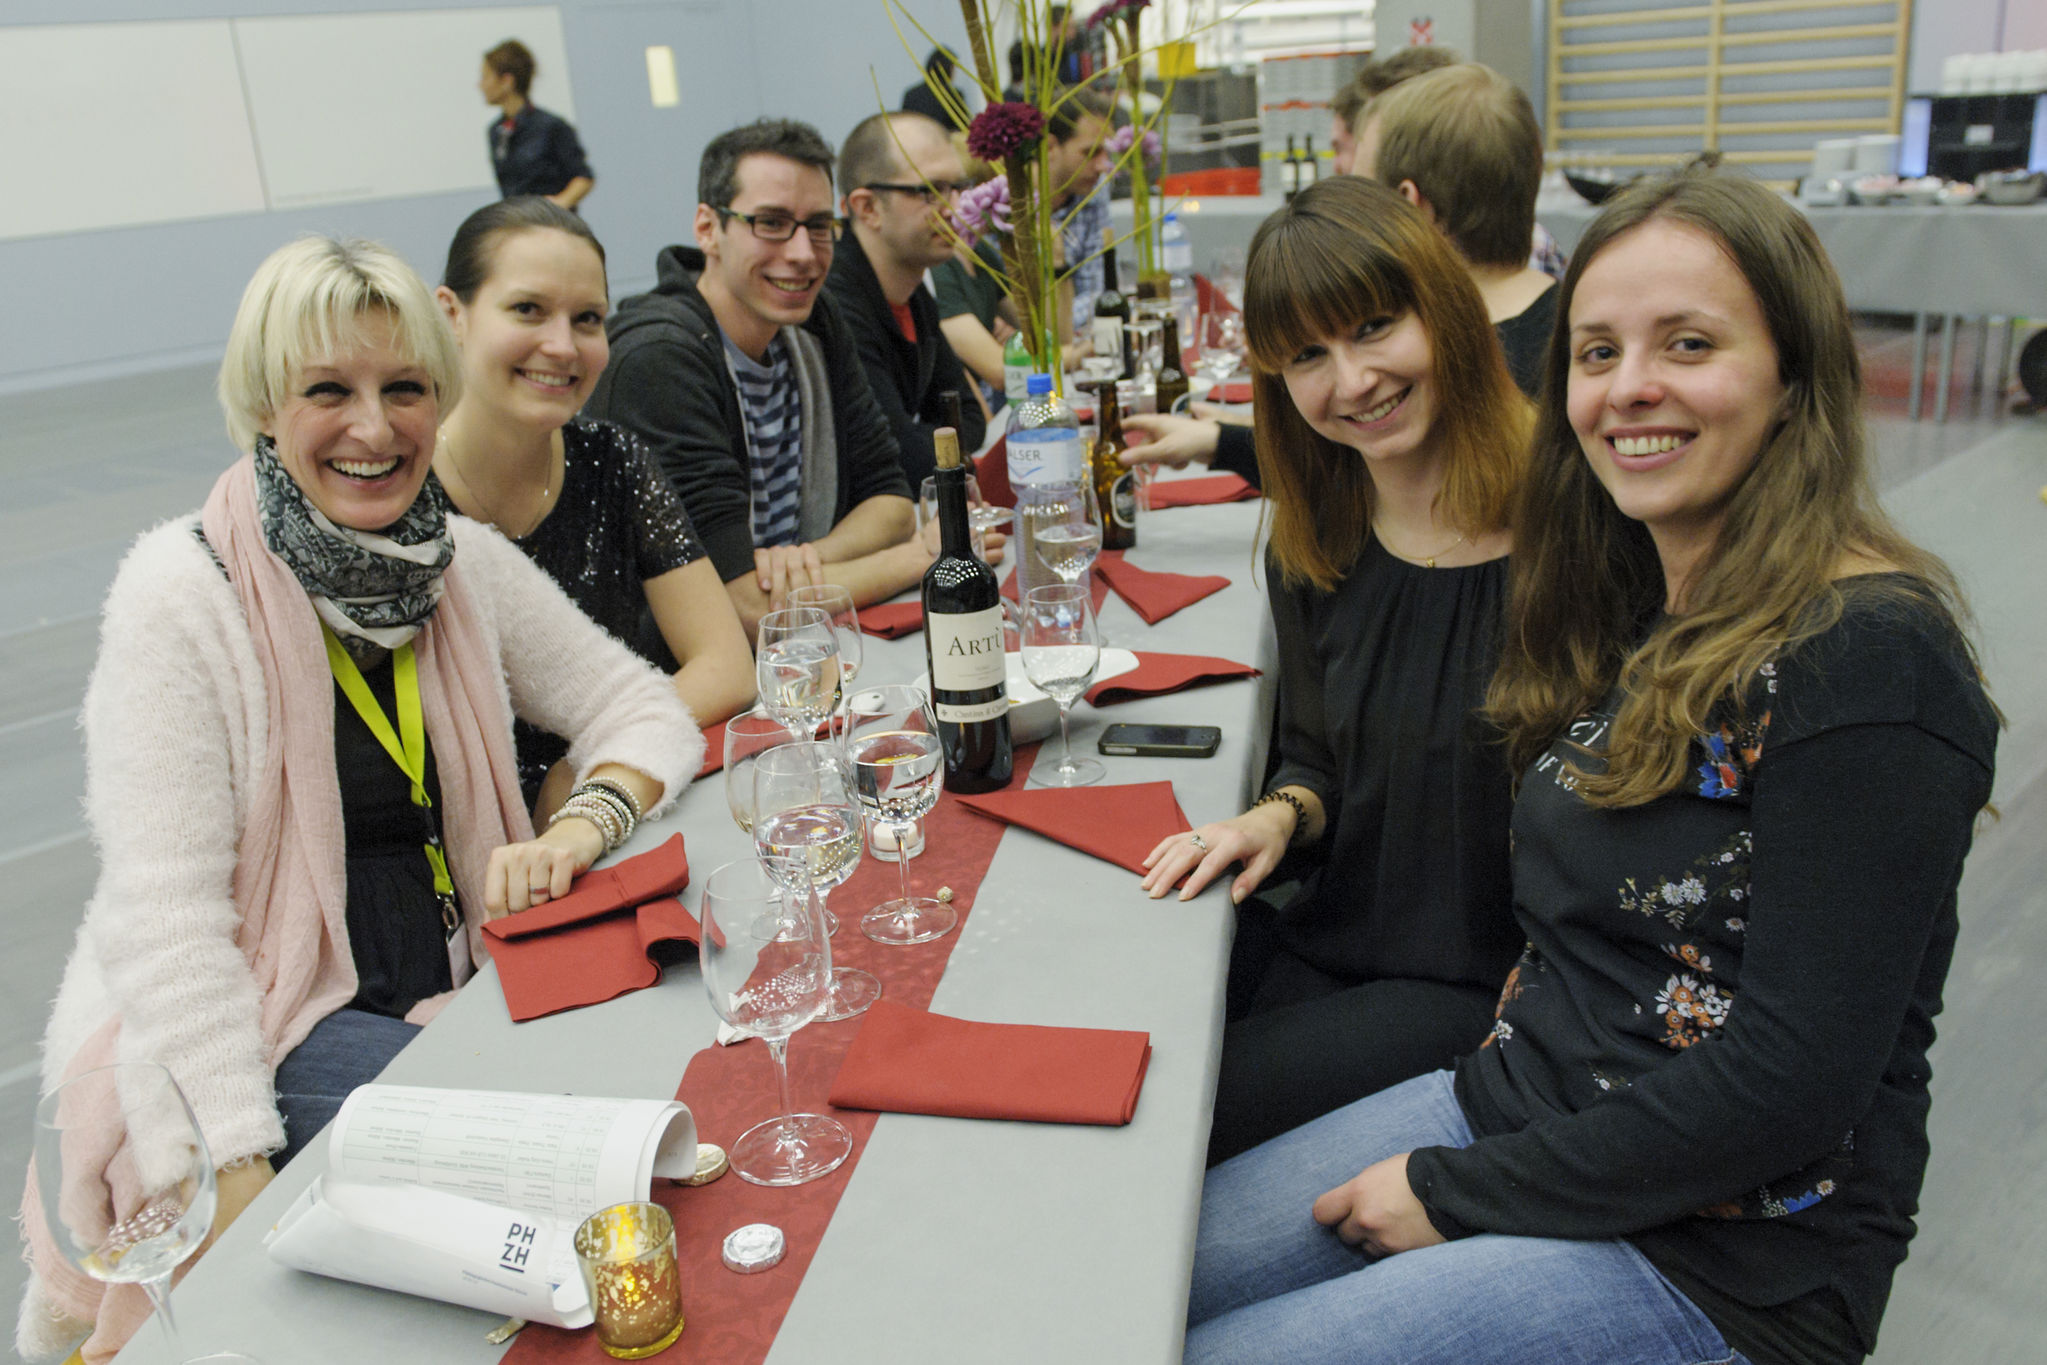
column 955, row 1240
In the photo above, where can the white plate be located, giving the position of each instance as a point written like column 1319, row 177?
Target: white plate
column 1032, row 714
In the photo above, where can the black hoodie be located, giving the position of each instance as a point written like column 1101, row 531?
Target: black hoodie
column 668, row 383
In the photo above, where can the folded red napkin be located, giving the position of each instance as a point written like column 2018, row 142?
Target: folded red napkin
column 1235, row 391
column 909, row 1061
column 1098, row 586
column 1116, row 824
column 594, row 944
column 714, row 749
column 1158, row 674
column 991, row 472
column 1216, row 488
column 1154, row 595
column 891, row 619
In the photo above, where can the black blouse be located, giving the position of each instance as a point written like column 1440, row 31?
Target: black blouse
column 617, row 523
column 394, row 919
column 1379, row 681
column 1715, row 1042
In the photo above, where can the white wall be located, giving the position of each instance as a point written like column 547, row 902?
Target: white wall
column 1942, row 28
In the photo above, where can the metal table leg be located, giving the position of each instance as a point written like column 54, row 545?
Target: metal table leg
column 1918, row 363
column 1950, row 323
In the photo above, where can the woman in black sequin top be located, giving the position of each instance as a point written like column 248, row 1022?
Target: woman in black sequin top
column 524, row 290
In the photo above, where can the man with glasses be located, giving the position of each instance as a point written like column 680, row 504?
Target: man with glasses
column 747, row 387
column 901, row 175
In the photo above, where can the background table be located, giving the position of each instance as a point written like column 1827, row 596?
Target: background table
column 955, row 1240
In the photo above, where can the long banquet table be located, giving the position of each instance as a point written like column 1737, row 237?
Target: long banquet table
column 955, row 1240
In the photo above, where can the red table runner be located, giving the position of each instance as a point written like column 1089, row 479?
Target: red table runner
column 732, row 1319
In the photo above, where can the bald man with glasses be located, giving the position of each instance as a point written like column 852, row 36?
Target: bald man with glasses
column 747, row 387
column 901, row 175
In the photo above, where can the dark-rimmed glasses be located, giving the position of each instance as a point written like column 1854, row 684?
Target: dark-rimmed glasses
column 932, row 193
column 773, row 225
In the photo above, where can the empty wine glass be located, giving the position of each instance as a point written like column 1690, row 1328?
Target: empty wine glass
column 837, row 603
column 766, row 963
column 898, row 772
column 1222, row 345
column 796, row 664
column 1068, row 531
column 747, row 736
column 124, row 1178
column 1061, row 649
column 982, row 516
column 805, row 811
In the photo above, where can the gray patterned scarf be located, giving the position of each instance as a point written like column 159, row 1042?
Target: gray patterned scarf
column 375, row 589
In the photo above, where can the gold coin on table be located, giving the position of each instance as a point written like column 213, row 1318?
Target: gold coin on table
column 711, row 1163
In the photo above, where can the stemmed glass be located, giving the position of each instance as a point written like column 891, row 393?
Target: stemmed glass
column 1061, row 649
column 796, row 664
column 747, row 736
column 766, row 964
column 1222, row 345
column 982, row 515
column 124, row 1177
column 898, row 772
column 1068, row 532
column 837, row 603
column 806, row 814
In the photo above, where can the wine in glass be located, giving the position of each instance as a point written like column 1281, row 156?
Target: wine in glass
column 767, row 963
column 796, row 664
column 1061, row 649
column 837, row 603
column 898, row 772
column 124, row 1178
column 747, row 736
column 1068, row 532
column 805, row 813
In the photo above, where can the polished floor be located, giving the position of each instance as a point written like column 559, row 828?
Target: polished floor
column 90, row 467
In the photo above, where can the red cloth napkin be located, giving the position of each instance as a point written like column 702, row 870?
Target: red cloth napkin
column 991, row 472
column 1116, row 824
column 910, row 1061
column 714, row 749
column 1216, row 488
column 1151, row 594
column 586, row 948
column 1098, row 586
column 1235, row 391
column 889, row 620
column 1158, row 674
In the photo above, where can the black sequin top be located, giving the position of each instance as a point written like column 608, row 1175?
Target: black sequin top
column 617, row 523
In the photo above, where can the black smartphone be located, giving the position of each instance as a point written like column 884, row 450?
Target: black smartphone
column 1161, row 741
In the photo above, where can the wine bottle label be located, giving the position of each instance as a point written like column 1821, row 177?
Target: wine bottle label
column 1123, row 500
column 968, row 714
column 966, row 651
column 1109, row 337
column 1046, row 455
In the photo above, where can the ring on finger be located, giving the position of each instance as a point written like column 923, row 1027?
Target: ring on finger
column 1198, row 842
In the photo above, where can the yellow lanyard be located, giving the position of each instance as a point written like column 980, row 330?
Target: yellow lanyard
column 407, row 745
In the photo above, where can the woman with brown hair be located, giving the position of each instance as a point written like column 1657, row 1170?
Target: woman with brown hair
column 1390, row 437
column 1752, row 743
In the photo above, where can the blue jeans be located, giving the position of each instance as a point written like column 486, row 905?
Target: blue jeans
column 346, row 1049
column 1271, row 1284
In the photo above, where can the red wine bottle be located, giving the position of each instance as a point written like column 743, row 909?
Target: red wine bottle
column 963, row 640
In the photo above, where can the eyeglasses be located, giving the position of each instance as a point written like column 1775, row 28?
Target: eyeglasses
column 776, row 226
column 931, row 194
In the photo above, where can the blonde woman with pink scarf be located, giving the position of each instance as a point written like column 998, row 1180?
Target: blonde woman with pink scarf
column 291, row 879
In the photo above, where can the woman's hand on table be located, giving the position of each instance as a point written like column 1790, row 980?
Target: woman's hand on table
column 522, row 876
column 1257, row 839
column 1159, row 438
column 1377, row 1210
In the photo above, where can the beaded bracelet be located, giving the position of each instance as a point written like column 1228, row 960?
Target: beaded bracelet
column 606, row 816
column 619, row 789
column 1300, row 809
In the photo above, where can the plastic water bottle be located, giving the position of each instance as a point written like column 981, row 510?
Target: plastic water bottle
column 1016, row 368
column 1176, row 257
column 1047, row 462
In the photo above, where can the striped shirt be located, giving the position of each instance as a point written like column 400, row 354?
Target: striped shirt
column 773, row 410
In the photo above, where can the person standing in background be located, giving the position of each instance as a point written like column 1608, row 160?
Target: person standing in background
column 532, row 151
column 922, row 98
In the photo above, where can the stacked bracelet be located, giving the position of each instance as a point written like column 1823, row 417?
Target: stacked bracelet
column 607, row 805
column 1300, row 809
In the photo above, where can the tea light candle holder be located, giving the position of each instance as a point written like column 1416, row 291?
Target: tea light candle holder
column 627, row 1253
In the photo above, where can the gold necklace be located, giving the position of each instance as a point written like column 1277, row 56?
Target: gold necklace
column 468, row 483
column 1426, row 561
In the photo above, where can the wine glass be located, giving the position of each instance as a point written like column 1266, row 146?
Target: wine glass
column 747, row 736
column 898, row 772
column 124, row 1178
column 837, row 603
column 804, row 810
column 1222, row 345
column 1068, row 532
column 766, row 963
column 982, row 516
column 1061, row 649
column 797, row 667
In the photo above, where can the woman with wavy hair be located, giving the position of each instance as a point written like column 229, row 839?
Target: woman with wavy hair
column 1752, row 743
column 1390, row 438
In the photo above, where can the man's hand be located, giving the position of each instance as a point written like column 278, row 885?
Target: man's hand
column 780, row 568
column 1377, row 1210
